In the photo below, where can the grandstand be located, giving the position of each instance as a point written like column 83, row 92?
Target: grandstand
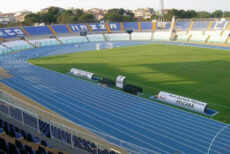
column 207, row 32
column 47, row 112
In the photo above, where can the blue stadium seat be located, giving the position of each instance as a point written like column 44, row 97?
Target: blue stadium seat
column 58, row 133
column 43, row 142
column 130, row 25
column 24, row 134
column 2, row 152
column 20, row 145
column 63, row 135
column 78, row 142
column 1, row 123
column 6, row 128
column 182, row 26
column 66, row 137
column 115, row 26
column 7, row 33
column 29, row 149
column 32, row 138
column 1, row 126
column 200, row 25
column 60, row 28
column 29, row 137
column 75, row 141
column 44, row 128
column 38, row 30
column 23, row 151
column 105, row 152
column 14, row 133
column 93, row 145
column 81, row 145
column 41, row 150
column 55, row 132
column 1, row 130
column 18, row 130
column 4, row 145
column 13, row 149
column 69, row 138
column 146, row 25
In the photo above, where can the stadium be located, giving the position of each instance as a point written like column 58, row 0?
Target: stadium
column 116, row 87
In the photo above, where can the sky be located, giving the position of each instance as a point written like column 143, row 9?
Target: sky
column 36, row 5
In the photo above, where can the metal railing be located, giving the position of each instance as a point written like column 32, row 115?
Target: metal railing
column 21, row 116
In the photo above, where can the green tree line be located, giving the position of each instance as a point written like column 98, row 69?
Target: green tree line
column 54, row 16
column 192, row 14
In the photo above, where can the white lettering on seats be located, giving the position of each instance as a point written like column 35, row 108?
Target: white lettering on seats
column 102, row 26
column 113, row 26
column 84, row 27
column 93, row 27
column 2, row 34
column 9, row 32
column 219, row 25
column 75, row 28
column 18, row 31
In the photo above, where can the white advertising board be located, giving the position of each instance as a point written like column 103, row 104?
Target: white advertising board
column 82, row 74
column 181, row 101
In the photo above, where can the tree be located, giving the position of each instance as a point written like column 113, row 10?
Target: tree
column 182, row 14
column 119, row 15
column 204, row 14
column 77, row 14
column 217, row 14
column 191, row 14
column 69, row 16
column 50, row 17
column 65, row 17
column 117, row 11
column 32, row 18
column 53, row 10
column 226, row 14
column 86, row 18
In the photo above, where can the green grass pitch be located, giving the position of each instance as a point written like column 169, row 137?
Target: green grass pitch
column 199, row 73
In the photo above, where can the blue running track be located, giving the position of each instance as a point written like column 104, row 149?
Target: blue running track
column 133, row 119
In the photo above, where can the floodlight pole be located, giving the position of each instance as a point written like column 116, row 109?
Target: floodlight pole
column 161, row 10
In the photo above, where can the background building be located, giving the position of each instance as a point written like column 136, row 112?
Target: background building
column 6, row 18
column 98, row 13
column 144, row 13
column 20, row 16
